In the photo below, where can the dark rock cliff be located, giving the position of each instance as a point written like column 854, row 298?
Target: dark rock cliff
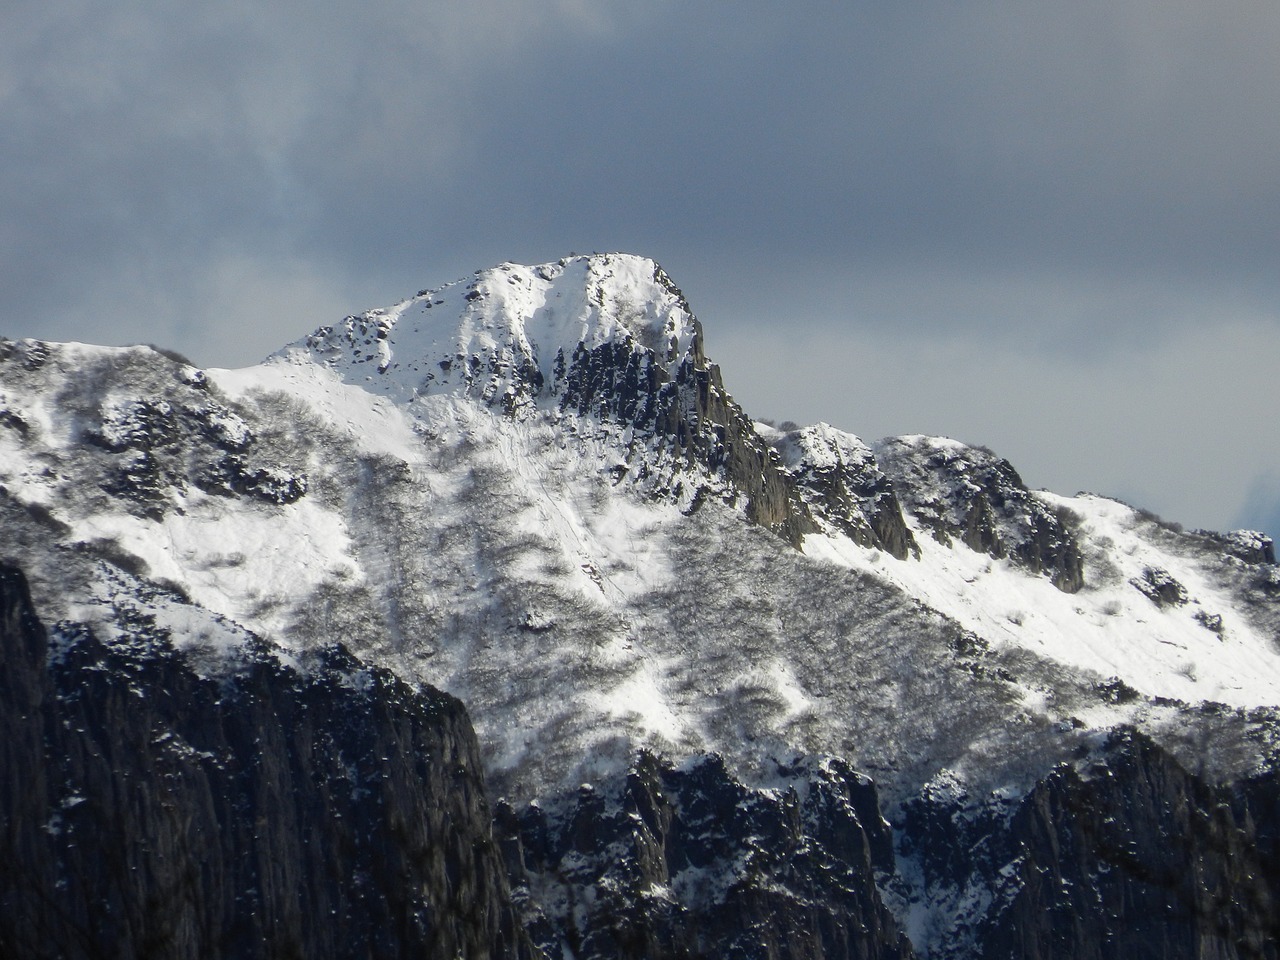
column 689, row 417
column 154, row 804
column 838, row 479
column 1123, row 854
column 261, row 811
column 1132, row 856
column 691, row 863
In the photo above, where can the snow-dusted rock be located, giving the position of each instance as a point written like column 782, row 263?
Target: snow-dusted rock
column 839, row 480
column 971, row 495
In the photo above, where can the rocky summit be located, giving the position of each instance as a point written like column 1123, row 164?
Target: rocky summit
column 488, row 624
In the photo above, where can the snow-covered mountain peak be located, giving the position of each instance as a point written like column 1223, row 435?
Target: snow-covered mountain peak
column 603, row 347
column 532, row 488
column 510, row 334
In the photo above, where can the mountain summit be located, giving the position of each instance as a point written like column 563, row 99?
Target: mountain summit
column 532, row 489
column 510, row 335
column 608, row 337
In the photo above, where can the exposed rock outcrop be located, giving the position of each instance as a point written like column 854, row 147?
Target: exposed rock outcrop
column 1160, row 587
column 608, row 337
column 690, row 418
column 1133, row 856
column 691, row 863
column 969, row 494
column 1249, row 546
column 838, row 479
column 1122, row 854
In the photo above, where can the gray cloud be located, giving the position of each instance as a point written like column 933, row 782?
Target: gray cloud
column 1083, row 190
column 1261, row 507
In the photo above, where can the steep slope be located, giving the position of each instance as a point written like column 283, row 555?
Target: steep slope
column 967, row 494
column 690, row 862
column 532, row 489
column 839, row 479
column 1123, row 852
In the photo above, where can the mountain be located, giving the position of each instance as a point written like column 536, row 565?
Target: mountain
column 737, row 690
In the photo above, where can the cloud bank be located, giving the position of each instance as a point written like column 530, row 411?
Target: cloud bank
column 1048, row 228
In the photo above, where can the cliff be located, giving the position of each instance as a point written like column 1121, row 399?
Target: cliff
column 259, row 810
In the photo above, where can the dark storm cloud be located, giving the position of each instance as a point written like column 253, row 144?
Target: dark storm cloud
column 1112, row 142
column 1005, row 154
column 1088, row 181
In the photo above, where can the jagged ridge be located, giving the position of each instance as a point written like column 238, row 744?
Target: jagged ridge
column 500, row 517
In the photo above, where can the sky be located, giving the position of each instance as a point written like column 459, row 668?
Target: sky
column 1052, row 229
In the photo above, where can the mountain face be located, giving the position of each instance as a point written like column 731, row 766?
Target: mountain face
column 162, row 805
column 735, row 690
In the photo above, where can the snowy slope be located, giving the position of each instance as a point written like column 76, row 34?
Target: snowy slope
column 1198, row 646
column 451, row 486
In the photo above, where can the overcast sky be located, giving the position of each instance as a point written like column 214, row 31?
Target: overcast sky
column 1050, row 228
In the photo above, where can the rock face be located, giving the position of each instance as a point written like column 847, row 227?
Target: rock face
column 1123, row 854
column 838, row 479
column 1120, row 853
column 969, row 494
column 530, row 488
column 155, row 805
column 691, row 863
column 263, row 811
column 1249, row 546
column 609, row 338
column 1134, row 857
column 690, row 417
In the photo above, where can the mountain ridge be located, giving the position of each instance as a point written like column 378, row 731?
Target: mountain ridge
column 598, row 551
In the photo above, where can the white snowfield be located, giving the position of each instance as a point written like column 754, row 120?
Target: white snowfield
column 492, row 549
column 1109, row 628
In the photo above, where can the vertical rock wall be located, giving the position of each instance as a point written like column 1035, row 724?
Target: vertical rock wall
column 149, row 811
column 685, row 863
column 1135, row 857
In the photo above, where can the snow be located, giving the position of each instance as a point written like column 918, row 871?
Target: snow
column 192, row 628
column 1109, row 628
column 477, row 332
column 639, row 700
column 510, row 555
column 245, row 564
column 820, row 446
column 376, row 424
